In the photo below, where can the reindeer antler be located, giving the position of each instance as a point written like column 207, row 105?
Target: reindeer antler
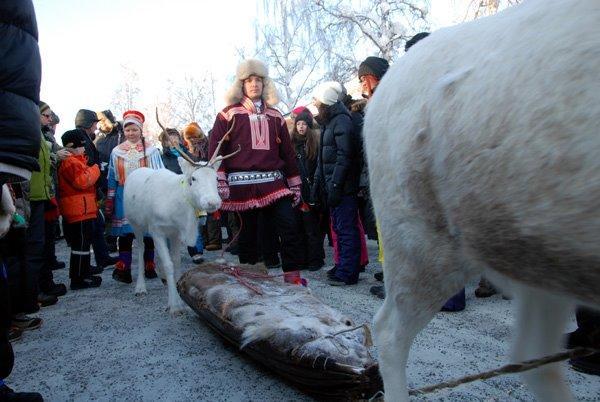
column 216, row 157
column 183, row 154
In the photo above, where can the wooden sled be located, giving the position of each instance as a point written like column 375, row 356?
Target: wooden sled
column 293, row 334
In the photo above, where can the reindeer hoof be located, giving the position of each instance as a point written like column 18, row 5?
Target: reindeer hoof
column 176, row 309
column 141, row 292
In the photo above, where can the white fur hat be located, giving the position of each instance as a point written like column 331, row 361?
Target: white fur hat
column 244, row 70
column 328, row 92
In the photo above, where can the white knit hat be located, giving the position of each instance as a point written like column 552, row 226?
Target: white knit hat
column 328, row 92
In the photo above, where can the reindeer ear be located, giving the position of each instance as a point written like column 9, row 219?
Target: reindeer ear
column 186, row 167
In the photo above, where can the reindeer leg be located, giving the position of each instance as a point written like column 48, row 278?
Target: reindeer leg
column 175, row 304
column 140, row 286
column 176, row 257
column 421, row 273
column 541, row 319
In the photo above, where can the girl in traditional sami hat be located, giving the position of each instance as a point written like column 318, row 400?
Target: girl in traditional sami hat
column 125, row 158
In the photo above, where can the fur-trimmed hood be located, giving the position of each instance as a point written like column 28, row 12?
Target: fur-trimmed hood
column 244, row 70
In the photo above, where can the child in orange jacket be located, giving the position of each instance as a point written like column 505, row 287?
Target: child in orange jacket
column 77, row 202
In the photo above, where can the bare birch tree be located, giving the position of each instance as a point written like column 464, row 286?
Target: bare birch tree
column 126, row 95
column 482, row 8
column 384, row 25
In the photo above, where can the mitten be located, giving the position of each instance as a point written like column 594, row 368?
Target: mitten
column 297, row 192
column 223, row 188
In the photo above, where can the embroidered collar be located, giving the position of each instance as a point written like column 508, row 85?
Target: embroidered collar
column 249, row 105
column 128, row 146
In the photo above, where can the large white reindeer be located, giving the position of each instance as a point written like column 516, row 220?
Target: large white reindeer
column 483, row 145
column 165, row 205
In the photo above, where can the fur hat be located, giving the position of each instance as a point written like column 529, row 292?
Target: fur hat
column 85, row 118
column 193, row 130
column 43, row 107
column 133, row 117
column 244, row 70
column 375, row 66
column 328, row 92
column 72, row 139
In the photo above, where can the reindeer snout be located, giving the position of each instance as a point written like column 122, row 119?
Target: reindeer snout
column 213, row 205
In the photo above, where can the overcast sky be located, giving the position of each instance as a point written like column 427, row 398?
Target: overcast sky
column 85, row 43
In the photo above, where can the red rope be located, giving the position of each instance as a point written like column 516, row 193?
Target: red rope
column 240, row 275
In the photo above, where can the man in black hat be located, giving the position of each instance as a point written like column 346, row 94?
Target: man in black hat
column 110, row 135
column 86, row 123
column 370, row 72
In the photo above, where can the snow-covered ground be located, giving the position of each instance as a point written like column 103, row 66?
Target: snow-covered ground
column 107, row 344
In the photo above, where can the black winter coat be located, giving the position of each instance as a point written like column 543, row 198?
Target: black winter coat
column 20, row 77
column 339, row 159
column 307, row 170
column 170, row 161
column 105, row 146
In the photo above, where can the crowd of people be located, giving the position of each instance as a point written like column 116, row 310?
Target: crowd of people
column 295, row 182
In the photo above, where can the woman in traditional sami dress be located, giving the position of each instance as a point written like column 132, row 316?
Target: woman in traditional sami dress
column 125, row 158
column 263, row 177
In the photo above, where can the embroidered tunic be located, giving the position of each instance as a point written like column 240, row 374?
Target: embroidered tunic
column 124, row 159
column 264, row 168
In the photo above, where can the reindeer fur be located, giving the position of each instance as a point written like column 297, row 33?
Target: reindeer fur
column 483, row 149
column 164, row 204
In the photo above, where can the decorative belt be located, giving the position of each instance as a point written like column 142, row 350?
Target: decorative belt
column 240, row 178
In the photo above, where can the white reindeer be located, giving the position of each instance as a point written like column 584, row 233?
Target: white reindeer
column 165, row 205
column 483, row 147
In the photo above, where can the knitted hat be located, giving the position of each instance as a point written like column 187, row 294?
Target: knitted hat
column 305, row 116
column 193, row 130
column 415, row 39
column 72, row 139
column 298, row 110
column 375, row 66
column 43, row 107
column 328, row 92
column 55, row 118
column 133, row 117
column 85, row 118
column 244, row 70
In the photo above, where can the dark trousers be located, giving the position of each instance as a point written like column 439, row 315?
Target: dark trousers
column 287, row 228
column 213, row 230
column 99, row 241
column 232, row 226
column 80, row 239
column 589, row 322
column 46, row 276
column 345, row 224
column 126, row 245
column 13, row 248
column 313, row 237
column 34, row 255
column 269, row 244
column 6, row 352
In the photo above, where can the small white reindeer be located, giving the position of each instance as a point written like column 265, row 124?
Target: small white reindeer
column 483, row 149
column 165, row 205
